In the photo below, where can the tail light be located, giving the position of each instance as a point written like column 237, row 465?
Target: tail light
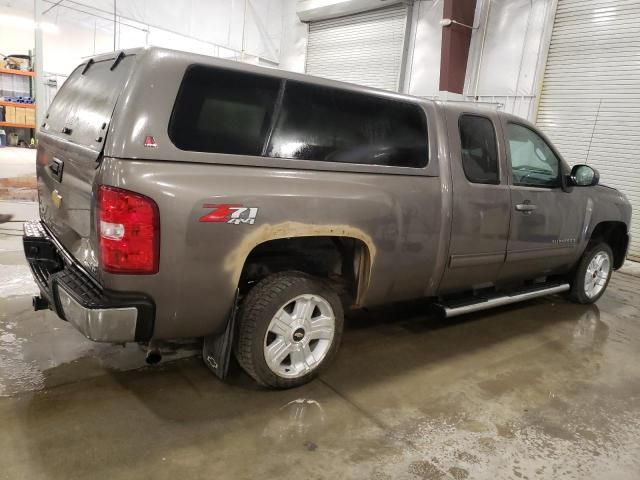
column 128, row 231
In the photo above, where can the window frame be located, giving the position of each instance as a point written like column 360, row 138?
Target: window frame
column 427, row 109
column 559, row 177
column 495, row 138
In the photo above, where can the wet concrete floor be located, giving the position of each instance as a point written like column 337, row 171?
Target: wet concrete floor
column 544, row 389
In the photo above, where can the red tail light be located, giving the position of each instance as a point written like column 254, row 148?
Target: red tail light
column 128, row 231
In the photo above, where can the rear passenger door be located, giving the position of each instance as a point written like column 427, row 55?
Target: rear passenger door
column 481, row 201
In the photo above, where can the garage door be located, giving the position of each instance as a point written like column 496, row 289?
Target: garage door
column 365, row 48
column 590, row 102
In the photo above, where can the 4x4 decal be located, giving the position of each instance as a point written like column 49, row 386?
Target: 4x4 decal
column 229, row 213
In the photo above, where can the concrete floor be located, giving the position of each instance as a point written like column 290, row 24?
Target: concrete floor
column 545, row 389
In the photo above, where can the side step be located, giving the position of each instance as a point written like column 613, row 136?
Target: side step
column 477, row 304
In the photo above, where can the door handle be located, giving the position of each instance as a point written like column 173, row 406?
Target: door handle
column 526, row 207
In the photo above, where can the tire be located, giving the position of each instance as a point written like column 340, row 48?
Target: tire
column 580, row 284
column 294, row 348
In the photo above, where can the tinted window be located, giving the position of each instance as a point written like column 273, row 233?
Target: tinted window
column 479, row 150
column 223, row 111
column 532, row 160
column 327, row 124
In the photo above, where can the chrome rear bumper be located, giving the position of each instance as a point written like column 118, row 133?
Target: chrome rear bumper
column 100, row 315
column 99, row 324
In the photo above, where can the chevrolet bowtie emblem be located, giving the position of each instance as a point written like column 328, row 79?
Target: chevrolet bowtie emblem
column 56, row 198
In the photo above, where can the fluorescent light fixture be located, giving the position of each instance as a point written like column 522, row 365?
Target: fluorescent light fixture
column 27, row 23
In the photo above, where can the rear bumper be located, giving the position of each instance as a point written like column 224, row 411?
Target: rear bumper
column 101, row 315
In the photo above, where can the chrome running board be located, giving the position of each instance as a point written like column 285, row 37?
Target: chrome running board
column 475, row 305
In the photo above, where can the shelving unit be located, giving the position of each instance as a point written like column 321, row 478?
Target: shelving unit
column 16, row 125
column 14, row 104
column 32, row 106
column 17, row 72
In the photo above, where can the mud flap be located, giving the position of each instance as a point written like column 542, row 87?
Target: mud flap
column 216, row 349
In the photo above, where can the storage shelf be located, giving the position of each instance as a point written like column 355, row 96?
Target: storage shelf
column 14, row 104
column 17, row 72
column 16, row 125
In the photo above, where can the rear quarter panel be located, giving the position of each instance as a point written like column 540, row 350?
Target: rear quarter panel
column 398, row 217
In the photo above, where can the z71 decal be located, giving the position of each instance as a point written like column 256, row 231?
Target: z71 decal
column 229, row 213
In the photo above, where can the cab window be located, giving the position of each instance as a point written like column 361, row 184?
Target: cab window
column 479, row 149
column 533, row 163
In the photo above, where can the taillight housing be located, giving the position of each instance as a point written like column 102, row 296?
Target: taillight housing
column 128, row 226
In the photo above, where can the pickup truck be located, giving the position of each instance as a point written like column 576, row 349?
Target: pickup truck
column 187, row 196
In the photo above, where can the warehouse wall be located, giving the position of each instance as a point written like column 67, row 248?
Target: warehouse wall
column 506, row 58
column 425, row 38
column 423, row 63
column 14, row 39
column 294, row 39
column 508, row 53
column 223, row 28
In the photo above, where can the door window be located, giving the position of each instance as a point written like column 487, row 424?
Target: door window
column 479, row 149
column 533, row 163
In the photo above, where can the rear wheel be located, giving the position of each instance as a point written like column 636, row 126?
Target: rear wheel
column 592, row 276
column 289, row 328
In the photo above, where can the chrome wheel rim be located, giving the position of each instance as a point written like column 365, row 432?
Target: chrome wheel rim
column 299, row 336
column 597, row 274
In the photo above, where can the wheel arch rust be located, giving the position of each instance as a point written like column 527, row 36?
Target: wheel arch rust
column 235, row 261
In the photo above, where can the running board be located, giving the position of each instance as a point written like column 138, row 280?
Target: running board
column 486, row 303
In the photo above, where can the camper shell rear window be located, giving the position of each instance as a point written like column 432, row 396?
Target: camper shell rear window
column 82, row 109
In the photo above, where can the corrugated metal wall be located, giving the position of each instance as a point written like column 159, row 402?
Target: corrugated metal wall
column 365, row 48
column 590, row 102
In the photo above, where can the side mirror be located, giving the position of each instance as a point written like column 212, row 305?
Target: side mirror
column 584, row 176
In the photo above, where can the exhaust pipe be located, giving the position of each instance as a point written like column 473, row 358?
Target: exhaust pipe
column 153, row 353
column 39, row 303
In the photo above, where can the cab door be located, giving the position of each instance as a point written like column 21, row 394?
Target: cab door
column 481, row 202
column 545, row 219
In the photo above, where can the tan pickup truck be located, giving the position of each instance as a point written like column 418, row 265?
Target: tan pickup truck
column 188, row 196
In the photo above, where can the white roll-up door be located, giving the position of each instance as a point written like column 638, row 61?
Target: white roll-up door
column 365, row 48
column 590, row 102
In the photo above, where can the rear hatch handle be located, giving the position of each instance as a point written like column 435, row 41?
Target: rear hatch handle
column 55, row 166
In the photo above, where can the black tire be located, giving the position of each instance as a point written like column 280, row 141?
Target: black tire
column 578, row 293
column 256, row 313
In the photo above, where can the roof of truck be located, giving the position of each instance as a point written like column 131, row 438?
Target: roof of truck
column 182, row 58
column 148, row 98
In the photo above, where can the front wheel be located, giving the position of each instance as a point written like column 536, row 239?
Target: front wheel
column 592, row 276
column 289, row 328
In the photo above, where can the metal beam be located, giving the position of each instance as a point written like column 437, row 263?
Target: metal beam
column 457, row 27
column 38, row 80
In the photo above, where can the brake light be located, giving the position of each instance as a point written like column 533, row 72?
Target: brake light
column 128, row 231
